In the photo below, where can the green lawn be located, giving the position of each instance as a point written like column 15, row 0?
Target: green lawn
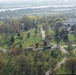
column 71, row 37
column 26, row 42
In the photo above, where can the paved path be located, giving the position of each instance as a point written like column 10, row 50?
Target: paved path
column 61, row 48
column 63, row 60
column 43, row 34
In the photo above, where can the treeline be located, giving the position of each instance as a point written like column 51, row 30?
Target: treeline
column 16, row 25
column 37, row 11
column 25, row 62
column 25, row 23
column 19, row 62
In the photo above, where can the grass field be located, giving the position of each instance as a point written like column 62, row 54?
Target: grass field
column 26, row 42
column 32, row 40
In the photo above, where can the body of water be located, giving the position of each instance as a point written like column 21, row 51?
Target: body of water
column 19, row 7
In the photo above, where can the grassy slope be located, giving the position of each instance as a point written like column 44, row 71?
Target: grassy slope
column 26, row 42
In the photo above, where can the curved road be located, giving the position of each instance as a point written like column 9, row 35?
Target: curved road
column 54, row 46
column 66, row 53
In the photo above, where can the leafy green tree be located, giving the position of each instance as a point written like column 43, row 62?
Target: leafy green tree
column 62, row 33
column 73, row 27
column 29, row 22
column 70, row 65
column 58, row 25
column 55, row 53
column 20, row 45
column 65, row 39
column 51, row 22
column 45, row 43
column 52, row 66
column 28, row 35
column 2, row 66
column 36, row 45
column 18, row 34
column 35, row 31
column 57, row 37
column 23, row 66
column 40, row 63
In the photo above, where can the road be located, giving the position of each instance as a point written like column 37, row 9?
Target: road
column 43, row 34
column 55, row 46
column 63, row 60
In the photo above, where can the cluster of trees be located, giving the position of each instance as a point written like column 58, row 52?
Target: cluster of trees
column 70, row 65
column 28, row 22
column 16, row 25
column 61, row 35
column 73, row 27
column 18, row 62
column 23, row 62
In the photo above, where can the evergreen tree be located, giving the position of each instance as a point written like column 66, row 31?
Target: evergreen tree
column 18, row 34
column 12, row 39
column 45, row 43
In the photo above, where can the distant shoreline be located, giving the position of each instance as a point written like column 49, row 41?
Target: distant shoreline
column 19, row 7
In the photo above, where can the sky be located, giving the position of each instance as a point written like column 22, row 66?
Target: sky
column 38, row 1
column 34, row 0
column 12, row 0
column 26, row 0
column 30, row 0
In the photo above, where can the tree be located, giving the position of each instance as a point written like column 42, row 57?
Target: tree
column 51, row 22
column 35, row 31
column 62, row 33
column 17, row 50
column 29, row 22
column 2, row 66
column 58, row 24
column 73, row 27
column 41, row 64
column 20, row 45
column 45, row 43
column 23, row 66
column 52, row 66
column 28, row 35
column 55, row 53
column 70, row 65
column 12, row 39
column 18, row 34
column 57, row 37
column 9, row 66
column 36, row 45
column 65, row 39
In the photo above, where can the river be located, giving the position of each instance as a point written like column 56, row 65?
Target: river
column 12, row 8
